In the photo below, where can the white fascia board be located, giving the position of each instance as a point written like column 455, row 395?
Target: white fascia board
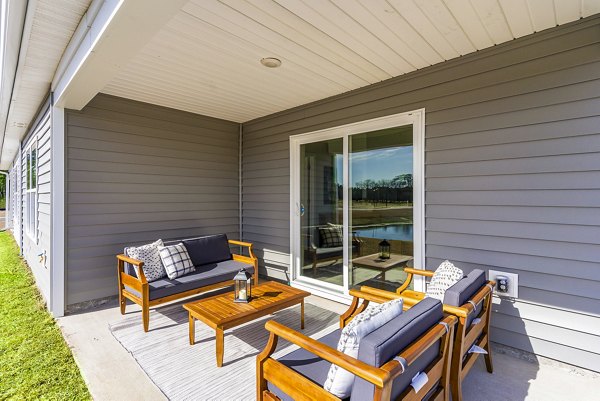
column 16, row 25
column 112, row 33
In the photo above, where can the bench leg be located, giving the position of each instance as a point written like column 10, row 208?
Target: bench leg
column 122, row 303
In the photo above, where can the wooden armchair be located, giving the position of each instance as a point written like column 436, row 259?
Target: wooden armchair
column 427, row 351
column 470, row 300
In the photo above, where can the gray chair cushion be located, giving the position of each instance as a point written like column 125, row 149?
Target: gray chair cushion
column 461, row 292
column 333, row 252
column 307, row 364
column 210, row 249
column 204, row 275
column 389, row 340
column 464, row 289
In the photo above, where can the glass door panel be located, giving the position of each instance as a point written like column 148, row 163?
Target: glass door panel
column 380, row 202
column 321, row 211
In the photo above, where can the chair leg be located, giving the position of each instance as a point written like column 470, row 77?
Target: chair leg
column 488, row 358
column 146, row 317
column 456, row 388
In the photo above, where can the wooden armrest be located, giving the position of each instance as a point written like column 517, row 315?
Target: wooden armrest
column 240, row 243
column 480, row 295
column 420, row 272
column 141, row 277
column 365, row 371
column 374, row 294
column 132, row 261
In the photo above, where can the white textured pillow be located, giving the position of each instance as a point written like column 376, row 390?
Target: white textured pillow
column 176, row 260
column 444, row 277
column 339, row 381
column 153, row 267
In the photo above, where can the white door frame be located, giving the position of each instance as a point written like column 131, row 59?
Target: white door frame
column 415, row 118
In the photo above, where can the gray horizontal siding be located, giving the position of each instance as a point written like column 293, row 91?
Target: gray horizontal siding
column 40, row 242
column 136, row 173
column 512, row 177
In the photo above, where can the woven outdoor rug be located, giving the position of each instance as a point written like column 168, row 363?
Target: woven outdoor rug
column 185, row 372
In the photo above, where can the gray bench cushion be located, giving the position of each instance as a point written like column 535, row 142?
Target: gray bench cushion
column 389, row 340
column 209, row 249
column 204, row 275
column 461, row 292
column 307, row 364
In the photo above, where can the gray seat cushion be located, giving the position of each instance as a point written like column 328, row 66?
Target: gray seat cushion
column 209, row 249
column 204, row 275
column 329, row 252
column 307, row 364
column 383, row 344
column 464, row 289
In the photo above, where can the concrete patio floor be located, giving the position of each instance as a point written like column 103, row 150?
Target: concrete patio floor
column 112, row 374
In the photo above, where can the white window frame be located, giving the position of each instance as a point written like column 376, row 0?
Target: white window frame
column 417, row 119
column 31, row 193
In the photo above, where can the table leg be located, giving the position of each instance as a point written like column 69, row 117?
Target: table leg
column 302, row 314
column 192, row 329
column 219, row 338
column 383, row 276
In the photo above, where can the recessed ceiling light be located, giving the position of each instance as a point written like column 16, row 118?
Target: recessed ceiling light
column 270, row 62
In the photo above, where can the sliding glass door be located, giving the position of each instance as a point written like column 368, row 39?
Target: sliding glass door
column 356, row 205
column 321, row 211
column 380, row 196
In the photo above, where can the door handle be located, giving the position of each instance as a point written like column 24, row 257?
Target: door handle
column 302, row 209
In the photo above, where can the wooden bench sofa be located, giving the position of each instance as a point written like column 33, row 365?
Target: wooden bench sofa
column 211, row 273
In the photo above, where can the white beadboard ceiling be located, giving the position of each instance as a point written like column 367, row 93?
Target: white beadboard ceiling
column 48, row 33
column 206, row 60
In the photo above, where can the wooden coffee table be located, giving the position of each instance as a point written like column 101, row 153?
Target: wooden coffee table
column 221, row 313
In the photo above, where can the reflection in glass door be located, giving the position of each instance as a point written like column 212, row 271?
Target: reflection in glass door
column 353, row 189
column 380, row 205
column 321, row 211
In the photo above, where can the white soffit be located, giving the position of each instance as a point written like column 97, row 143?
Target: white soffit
column 206, row 59
column 46, row 37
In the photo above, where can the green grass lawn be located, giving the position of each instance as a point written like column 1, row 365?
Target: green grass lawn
column 35, row 362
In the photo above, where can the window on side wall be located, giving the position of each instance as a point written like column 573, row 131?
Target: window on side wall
column 31, row 191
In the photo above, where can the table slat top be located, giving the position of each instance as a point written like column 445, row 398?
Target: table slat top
column 220, row 308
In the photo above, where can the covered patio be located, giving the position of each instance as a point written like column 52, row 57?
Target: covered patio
column 345, row 140
column 518, row 375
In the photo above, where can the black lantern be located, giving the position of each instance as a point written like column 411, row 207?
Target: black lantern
column 384, row 249
column 243, row 286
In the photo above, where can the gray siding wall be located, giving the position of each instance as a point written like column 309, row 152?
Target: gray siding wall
column 16, row 212
column 512, row 178
column 138, row 172
column 32, row 246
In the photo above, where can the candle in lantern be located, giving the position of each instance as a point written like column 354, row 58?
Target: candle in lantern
column 242, row 293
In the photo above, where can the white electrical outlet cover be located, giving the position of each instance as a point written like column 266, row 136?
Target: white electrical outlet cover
column 513, row 283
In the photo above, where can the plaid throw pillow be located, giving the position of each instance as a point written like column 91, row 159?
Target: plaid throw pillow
column 176, row 260
column 330, row 236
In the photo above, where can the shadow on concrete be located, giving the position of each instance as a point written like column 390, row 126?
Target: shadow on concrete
column 514, row 370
